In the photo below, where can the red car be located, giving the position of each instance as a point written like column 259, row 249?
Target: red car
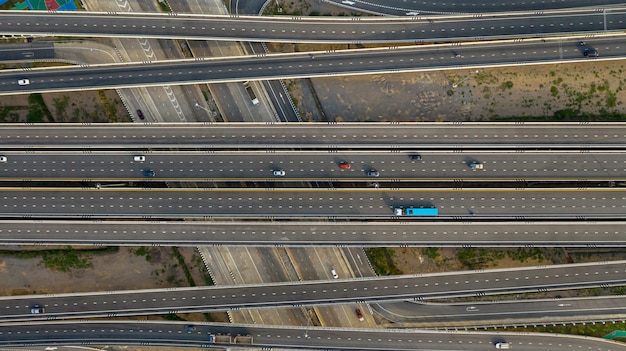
column 359, row 315
column 344, row 165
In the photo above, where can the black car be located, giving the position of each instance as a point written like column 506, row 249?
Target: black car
column 591, row 53
column 149, row 173
column 140, row 114
column 415, row 157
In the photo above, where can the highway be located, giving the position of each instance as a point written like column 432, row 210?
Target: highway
column 465, row 232
column 406, row 8
column 609, row 203
column 151, row 333
column 314, row 165
column 314, row 29
column 504, row 312
column 326, row 136
column 317, row 64
column 326, row 292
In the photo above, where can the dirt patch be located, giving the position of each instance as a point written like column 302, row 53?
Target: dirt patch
column 415, row 260
column 97, row 106
column 120, row 270
column 306, row 8
column 412, row 260
column 559, row 92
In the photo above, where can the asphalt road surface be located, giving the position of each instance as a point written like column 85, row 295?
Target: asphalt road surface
column 328, row 292
column 301, row 65
column 312, row 29
column 334, row 136
column 456, row 233
column 607, row 203
column 264, row 337
column 505, row 312
column 414, row 8
column 318, row 165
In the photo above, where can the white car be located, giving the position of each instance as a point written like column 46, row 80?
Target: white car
column 3, row 159
column 279, row 173
column 334, row 273
column 139, row 158
column 24, row 81
column 503, row 346
column 37, row 309
column 476, row 165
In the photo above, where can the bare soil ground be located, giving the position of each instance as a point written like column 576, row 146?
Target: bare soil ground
column 595, row 88
column 98, row 106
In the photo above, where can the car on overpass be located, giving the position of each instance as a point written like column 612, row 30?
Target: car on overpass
column 476, row 165
column 373, row 173
column 37, row 309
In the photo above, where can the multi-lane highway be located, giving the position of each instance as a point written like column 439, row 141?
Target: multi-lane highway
column 150, row 333
column 331, row 291
column 314, row 29
column 505, row 312
column 405, row 8
column 465, row 233
column 327, row 136
column 314, row 165
column 331, row 63
column 362, row 203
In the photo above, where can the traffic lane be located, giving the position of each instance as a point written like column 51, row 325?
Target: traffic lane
column 171, row 333
column 299, row 65
column 495, row 312
column 298, row 294
column 329, row 136
column 404, row 8
column 27, row 52
column 294, row 234
column 316, row 165
column 303, row 29
column 261, row 203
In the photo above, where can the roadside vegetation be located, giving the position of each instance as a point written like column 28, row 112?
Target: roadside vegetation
column 382, row 261
column 67, row 259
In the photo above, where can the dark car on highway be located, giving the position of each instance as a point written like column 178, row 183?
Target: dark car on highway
column 149, row 173
column 140, row 114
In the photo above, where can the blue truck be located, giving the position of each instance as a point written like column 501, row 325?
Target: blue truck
column 417, row 211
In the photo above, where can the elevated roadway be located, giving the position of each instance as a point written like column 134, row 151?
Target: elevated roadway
column 608, row 203
column 465, row 232
column 328, row 292
column 333, row 136
column 505, row 312
column 318, row 64
column 313, row 29
column 151, row 333
column 405, row 8
column 391, row 165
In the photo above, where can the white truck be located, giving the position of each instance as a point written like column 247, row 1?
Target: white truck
column 253, row 98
